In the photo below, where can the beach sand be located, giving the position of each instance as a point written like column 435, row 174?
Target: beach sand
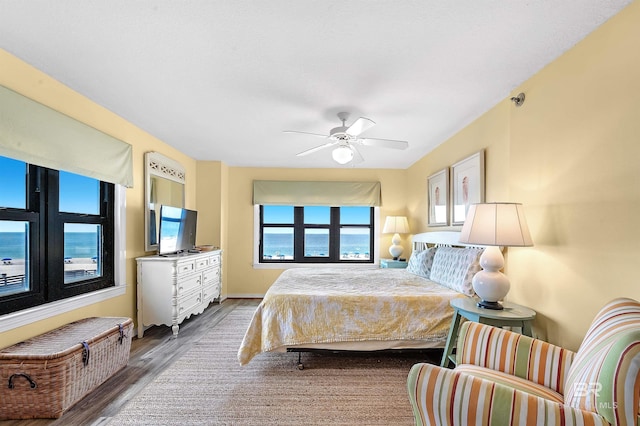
column 16, row 267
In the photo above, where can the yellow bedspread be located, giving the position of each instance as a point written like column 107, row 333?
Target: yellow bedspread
column 311, row 305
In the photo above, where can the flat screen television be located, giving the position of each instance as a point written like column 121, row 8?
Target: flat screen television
column 177, row 230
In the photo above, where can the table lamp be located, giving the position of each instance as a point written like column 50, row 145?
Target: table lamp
column 494, row 225
column 396, row 225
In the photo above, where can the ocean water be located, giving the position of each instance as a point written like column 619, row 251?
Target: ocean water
column 81, row 244
column 76, row 244
column 351, row 245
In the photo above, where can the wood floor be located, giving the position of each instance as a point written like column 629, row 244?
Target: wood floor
column 149, row 357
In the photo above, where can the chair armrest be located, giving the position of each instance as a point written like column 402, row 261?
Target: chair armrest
column 440, row 396
column 513, row 353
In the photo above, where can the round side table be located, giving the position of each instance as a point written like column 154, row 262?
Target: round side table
column 511, row 316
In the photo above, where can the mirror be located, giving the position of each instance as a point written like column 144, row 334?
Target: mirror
column 164, row 184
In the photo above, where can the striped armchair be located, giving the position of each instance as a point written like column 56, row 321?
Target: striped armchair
column 504, row 378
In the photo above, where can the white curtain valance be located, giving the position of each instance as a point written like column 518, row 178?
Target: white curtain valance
column 294, row 193
column 36, row 134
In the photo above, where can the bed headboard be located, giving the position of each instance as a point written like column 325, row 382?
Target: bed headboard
column 439, row 238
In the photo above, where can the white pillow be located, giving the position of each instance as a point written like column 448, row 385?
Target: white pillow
column 420, row 262
column 454, row 267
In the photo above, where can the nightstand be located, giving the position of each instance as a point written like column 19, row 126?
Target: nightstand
column 511, row 316
column 390, row 263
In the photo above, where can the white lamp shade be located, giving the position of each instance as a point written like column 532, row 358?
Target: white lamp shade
column 342, row 154
column 496, row 224
column 396, row 225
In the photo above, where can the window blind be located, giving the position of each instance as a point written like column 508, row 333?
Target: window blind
column 295, row 193
column 36, row 134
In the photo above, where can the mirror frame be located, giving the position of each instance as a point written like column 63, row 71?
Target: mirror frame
column 163, row 167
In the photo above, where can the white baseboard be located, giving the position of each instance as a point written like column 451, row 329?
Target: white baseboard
column 244, row 296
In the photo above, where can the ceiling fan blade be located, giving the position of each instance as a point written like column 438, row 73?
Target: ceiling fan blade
column 357, row 157
column 359, row 126
column 315, row 149
column 384, row 143
column 305, row 133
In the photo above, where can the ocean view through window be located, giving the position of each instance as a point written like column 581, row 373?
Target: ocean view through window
column 56, row 229
column 352, row 245
column 14, row 271
column 82, row 254
column 316, row 234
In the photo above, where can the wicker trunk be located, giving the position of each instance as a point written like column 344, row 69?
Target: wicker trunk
column 44, row 376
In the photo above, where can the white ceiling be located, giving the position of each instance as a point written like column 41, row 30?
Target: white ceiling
column 221, row 80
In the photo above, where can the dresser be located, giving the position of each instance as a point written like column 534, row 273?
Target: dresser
column 172, row 288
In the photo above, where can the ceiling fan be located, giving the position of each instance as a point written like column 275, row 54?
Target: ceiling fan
column 345, row 138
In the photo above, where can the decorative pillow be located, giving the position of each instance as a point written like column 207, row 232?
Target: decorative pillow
column 454, row 267
column 420, row 262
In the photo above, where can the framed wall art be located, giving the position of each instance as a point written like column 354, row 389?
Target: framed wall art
column 467, row 180
column 438, row 198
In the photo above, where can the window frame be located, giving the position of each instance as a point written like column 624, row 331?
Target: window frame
column 53, row 309
column 259, row 263
column 46, row 246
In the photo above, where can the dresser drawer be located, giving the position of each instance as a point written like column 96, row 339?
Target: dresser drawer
column 185, row 267
column 203, row 263
column 214, row 260
column 210, row 293
column 188, row 304
column 187, row 284
column 211, row 276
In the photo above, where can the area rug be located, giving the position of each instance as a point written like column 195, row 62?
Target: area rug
column 207, row 386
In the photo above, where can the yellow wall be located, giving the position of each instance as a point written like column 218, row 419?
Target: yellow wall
column 24, row 79
column 571, row 155
column 213, row 189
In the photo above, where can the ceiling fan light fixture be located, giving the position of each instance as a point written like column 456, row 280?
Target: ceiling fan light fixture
column 342, row 154
column 345, row 140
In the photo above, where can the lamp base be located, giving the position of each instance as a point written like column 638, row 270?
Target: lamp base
column 490, row 284
column 490, row 305
column 396, row 249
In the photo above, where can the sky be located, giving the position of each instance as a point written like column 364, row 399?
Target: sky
column 79, row 194
column 318, row 215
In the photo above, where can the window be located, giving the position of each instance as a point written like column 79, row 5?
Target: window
column 316, row 234
column 56, row 235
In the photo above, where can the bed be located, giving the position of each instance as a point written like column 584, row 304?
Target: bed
column 365, row 309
